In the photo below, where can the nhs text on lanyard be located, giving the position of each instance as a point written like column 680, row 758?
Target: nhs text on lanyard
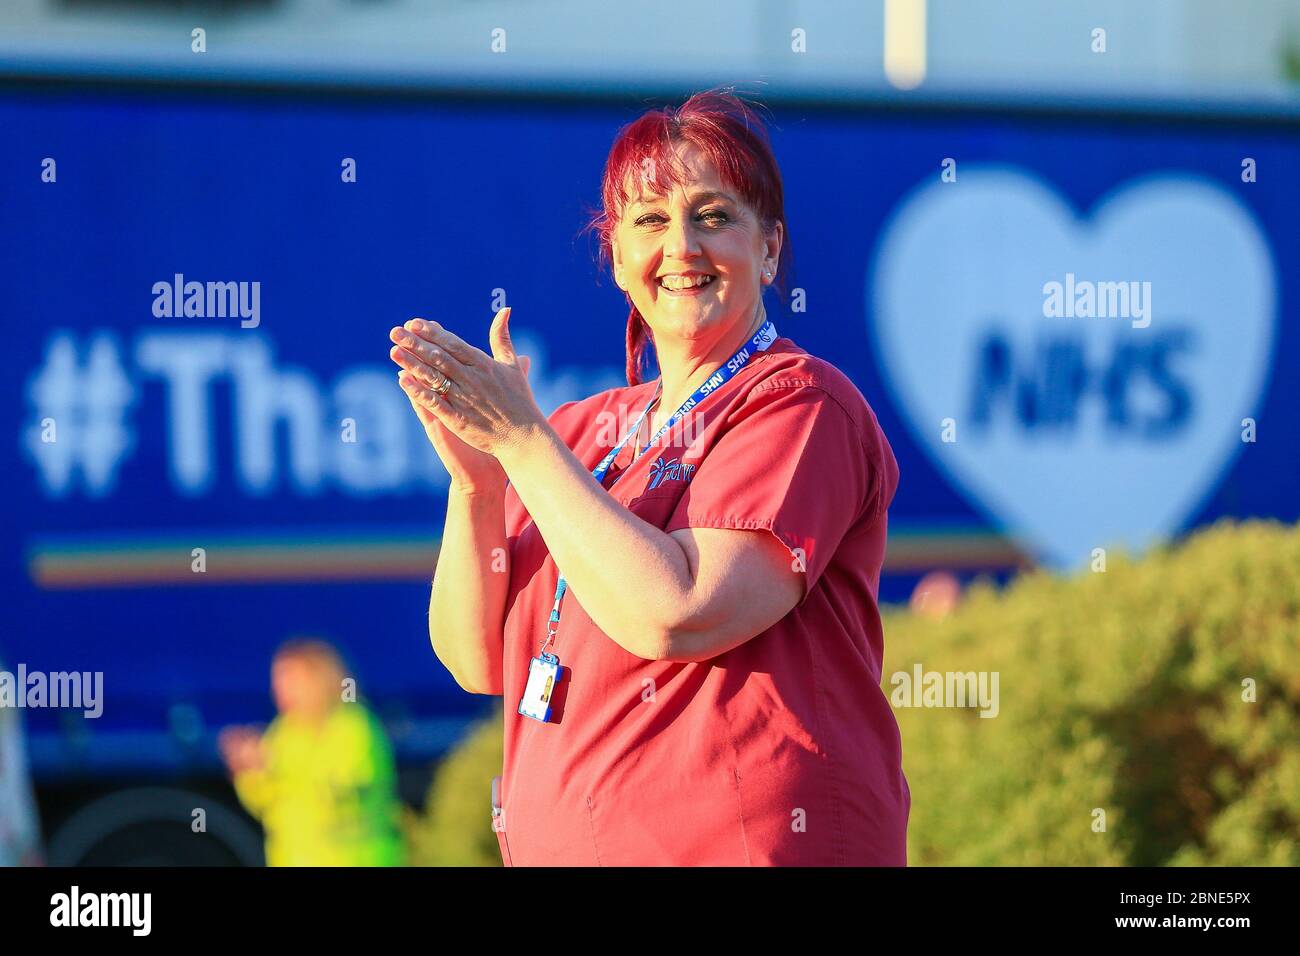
column 544, row 670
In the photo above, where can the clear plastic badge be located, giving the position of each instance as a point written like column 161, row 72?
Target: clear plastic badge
column 543, row 676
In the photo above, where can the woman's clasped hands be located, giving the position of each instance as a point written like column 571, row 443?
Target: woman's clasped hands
column 473, row 405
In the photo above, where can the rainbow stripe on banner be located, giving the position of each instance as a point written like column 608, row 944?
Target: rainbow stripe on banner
column 916, row 548
column 101, row 561
column 81, row 562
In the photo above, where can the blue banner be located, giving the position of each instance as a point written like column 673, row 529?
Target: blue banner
column 1071, row 328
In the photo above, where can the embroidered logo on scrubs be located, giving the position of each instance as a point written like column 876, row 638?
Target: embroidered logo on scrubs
column 671, row 470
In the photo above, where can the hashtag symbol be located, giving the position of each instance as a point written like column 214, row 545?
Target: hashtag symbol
column 80, row 416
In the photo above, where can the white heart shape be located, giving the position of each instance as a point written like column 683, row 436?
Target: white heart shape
column 963, row 265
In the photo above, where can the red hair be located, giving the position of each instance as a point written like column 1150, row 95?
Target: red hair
column 731, row 135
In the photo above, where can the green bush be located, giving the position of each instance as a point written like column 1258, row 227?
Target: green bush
column 456, row 826
column 1119, row 692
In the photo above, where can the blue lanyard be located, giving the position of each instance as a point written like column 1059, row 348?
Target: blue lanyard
column 763, row 338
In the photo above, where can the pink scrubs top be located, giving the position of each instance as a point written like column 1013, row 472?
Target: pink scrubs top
column 782, row 751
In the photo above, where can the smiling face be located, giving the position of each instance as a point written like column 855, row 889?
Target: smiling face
column 708, row 243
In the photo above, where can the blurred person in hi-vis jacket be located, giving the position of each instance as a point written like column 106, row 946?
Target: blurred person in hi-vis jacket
column 321, row 778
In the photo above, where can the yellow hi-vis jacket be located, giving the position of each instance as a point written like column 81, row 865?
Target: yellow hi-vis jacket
column 326, row 796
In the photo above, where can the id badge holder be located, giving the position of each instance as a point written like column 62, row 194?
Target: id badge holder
column 499, row 823
column 543, row 677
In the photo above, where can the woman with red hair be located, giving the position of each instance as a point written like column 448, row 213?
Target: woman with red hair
column 682, row 616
